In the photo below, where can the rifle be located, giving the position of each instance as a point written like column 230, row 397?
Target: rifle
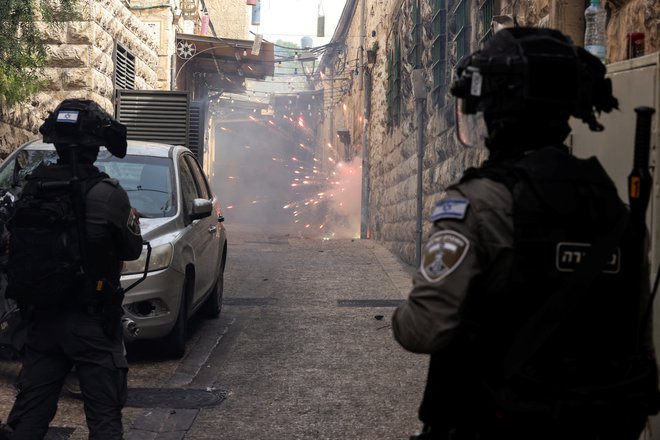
column 640, row 183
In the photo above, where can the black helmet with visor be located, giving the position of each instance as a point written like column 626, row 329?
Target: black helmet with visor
column 83, row 123
column 528, row 77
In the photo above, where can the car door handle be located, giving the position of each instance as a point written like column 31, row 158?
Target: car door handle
column 221, row 219
column 212, row 229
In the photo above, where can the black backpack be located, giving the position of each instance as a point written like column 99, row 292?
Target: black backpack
column 572, row 345
column 45, row 265
column 567, row 347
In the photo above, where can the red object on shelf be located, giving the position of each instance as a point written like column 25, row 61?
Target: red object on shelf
column 634, row 45
column 251, row 2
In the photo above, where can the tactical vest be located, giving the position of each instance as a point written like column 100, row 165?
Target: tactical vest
column 564, row 337
column 45, row 268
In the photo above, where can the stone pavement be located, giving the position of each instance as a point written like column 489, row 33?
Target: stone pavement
column 303, row 350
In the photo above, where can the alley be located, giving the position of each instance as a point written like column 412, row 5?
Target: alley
column 303, row 350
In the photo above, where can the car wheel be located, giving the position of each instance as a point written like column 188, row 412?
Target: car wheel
column 213, row 304
column 175, row 341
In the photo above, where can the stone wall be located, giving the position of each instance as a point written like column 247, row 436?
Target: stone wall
column 392, row 157
column 159, row 20
column 229, row 18
column 624, row 16
column 80, row 65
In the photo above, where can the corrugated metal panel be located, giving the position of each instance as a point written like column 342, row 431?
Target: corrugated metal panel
column 196, row 135
column 157, row 116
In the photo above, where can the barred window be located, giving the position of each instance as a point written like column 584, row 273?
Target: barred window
column 394, row 81
column 124, row 68
column 460, row 19
column 439, row 51
column 415, row 55
column 486, row 12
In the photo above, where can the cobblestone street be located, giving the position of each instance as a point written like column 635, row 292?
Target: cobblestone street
column 303, row 350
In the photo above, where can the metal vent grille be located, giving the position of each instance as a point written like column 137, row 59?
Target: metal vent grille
column 156, row 116
column 124, row 68
column 196, row 136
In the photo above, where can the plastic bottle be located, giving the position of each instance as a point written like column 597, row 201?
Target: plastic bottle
column 595, row 34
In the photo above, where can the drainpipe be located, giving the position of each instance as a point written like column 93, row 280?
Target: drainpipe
column 365, row 85
column 363, row 10
column 420, row 179
column 364, row 211
column 331, row 139
column 419, row 93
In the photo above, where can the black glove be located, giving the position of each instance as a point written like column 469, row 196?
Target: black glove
column 111, row 309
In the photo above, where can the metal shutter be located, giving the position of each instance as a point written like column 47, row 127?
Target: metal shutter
column 154, row 115
column 196, row 135
column 124, row 68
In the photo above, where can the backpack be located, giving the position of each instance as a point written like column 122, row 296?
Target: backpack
column 572, row 344
column 560, row 341
column 45, row 268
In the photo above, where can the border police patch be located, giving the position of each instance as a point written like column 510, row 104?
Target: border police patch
column 443, row 253
column 454, row 208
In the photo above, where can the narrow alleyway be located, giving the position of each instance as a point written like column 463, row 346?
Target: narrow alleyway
column 303, row 350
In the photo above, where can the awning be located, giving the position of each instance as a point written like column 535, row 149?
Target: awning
column 201, row 54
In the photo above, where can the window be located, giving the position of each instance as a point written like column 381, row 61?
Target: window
column 124, row 68
column 439, row 51
column 148, row 181
column 460, row 21
column 486, row 12
column 202, row 185
column 394, row 81
column 416, row 48
column 188, row 185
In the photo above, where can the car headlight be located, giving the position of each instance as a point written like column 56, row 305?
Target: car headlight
column 161, row 257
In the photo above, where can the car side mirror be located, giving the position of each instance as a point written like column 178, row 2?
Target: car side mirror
column 201, row 208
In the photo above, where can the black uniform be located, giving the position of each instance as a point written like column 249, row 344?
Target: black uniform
column 76, row 332
column 492, row 261
column 532, row 295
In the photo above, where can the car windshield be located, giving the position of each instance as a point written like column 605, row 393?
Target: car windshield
column 27, row 161
column 147, row 180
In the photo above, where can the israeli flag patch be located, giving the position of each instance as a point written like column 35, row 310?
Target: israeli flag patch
column 450, row 208
column 68, row 116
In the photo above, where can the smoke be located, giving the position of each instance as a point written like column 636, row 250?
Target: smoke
column 267, row 172
column 344, row 187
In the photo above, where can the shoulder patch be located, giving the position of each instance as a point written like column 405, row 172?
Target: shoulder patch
column 454, row 208
column 443, row 253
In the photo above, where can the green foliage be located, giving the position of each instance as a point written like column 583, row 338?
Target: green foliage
column 22, row 49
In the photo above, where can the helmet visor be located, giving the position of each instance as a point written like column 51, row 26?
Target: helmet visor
column 471, row 129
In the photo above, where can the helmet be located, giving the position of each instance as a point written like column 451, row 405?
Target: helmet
column 83, row 123
column 529, row 77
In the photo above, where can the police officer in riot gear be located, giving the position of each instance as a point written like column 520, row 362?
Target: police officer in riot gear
column 83, row 328
column 523, row 296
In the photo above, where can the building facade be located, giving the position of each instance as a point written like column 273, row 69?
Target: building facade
column 117, row 44
column 404, row 129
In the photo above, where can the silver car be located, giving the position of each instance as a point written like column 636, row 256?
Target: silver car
column 179, row 216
